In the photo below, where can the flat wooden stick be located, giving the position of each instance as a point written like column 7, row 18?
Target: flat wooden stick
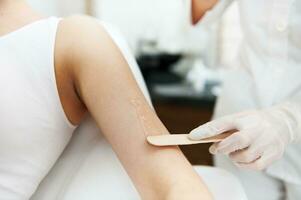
column 182, row 139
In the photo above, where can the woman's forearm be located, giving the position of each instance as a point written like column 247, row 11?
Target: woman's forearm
column 108, row 89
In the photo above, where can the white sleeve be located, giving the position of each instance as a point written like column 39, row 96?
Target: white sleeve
column 292, row 108
column 212, row 15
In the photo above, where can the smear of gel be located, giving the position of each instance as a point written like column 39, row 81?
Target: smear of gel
column 147, row 125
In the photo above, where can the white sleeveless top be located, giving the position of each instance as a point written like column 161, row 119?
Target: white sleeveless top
column 33, row 127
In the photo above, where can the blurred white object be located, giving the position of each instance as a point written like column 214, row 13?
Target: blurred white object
column 199, row 75
column 221, row 183
column 175, row 90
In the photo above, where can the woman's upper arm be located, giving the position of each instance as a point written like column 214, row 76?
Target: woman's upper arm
column 107, row 87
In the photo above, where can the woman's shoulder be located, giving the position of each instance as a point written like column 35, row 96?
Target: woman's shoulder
column 80, row 32
column 79, row 21
column 81, row 40
column 80, row 27
column 83, row 45
column 78, row 35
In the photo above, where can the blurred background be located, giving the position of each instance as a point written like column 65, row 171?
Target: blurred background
column 183, row 65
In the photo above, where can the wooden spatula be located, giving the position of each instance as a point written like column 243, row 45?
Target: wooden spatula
column 182, row 139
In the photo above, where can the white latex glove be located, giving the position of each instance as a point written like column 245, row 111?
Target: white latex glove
column 260, row 139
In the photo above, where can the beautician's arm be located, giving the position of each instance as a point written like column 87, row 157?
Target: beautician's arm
column 199, row 8
column 105, row 83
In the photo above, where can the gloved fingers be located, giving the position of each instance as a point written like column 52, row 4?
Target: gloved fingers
column 213, row 128
column 247, row 155
column 236, row 141
column 260, row 164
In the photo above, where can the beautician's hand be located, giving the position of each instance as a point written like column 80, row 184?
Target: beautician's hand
column 261, row 137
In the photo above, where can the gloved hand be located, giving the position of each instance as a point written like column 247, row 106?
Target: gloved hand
column 261, row 136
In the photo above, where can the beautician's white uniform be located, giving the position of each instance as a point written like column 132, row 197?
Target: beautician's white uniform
column 269, row 63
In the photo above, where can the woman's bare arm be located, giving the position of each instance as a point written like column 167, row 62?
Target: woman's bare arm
column 106, row 85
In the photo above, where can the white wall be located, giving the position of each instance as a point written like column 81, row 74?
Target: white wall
column 59, row 7
column 48, row 7
column 165, row 21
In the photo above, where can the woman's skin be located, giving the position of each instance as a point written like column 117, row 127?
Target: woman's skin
column 93, row 77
